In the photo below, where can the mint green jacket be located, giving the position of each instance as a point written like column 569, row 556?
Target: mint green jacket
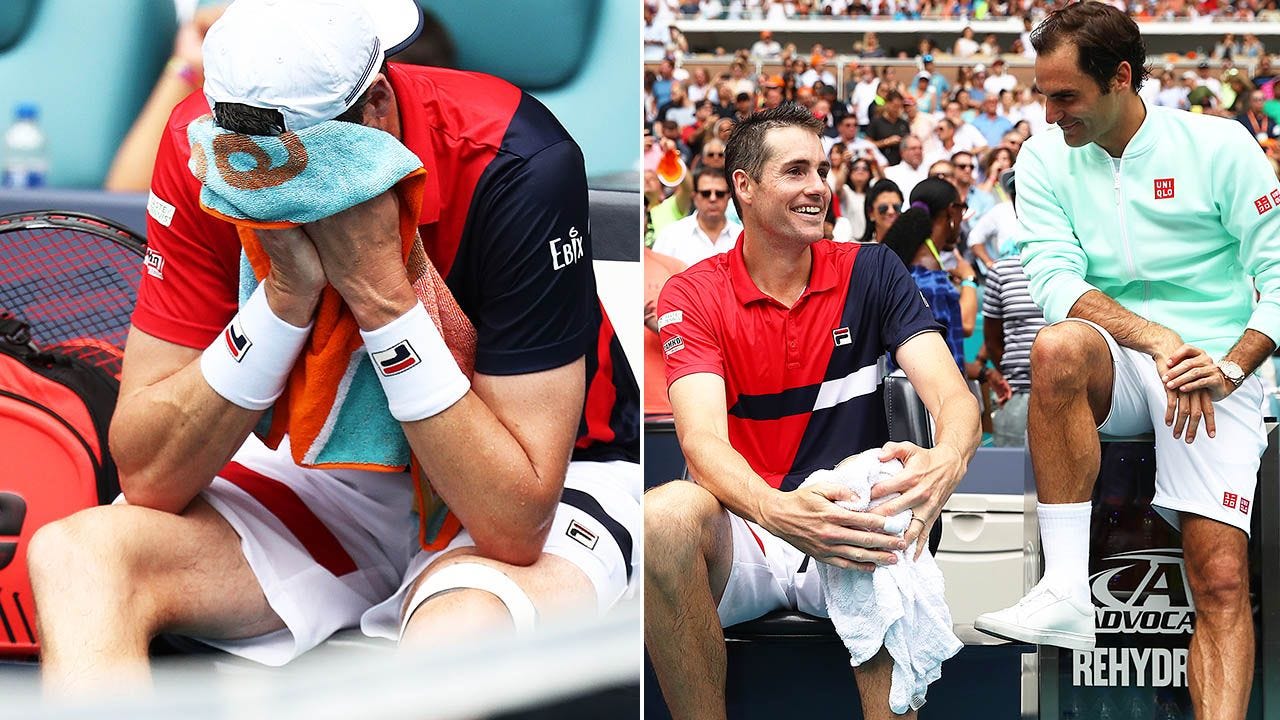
column 1181, row 234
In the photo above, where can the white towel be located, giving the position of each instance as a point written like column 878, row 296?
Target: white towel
column 899, row 606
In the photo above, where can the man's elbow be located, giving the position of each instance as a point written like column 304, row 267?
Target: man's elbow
column 142, row 482
column 142, row 489
column 517, row 539
column 519, row 548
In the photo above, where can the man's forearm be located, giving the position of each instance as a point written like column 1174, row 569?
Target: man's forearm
column 488, row 480
column 722, row 470
column 1129, row 329
column 958, row 425
column 168, row 440
column 1251, row 350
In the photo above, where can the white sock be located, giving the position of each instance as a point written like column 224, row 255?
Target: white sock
column 1064, row 536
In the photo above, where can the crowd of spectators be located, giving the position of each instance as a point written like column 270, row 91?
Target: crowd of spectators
column 891, row 128
column 781, row 10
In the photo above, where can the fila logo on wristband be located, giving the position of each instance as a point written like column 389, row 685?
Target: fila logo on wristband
column 396, row 359
column 237, row 342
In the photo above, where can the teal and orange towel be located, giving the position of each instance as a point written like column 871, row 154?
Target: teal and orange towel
column 333, row 408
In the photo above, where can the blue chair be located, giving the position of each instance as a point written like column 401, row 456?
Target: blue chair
column 89, row 66
column 581, row 58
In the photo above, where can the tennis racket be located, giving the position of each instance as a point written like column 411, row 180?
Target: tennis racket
column 73, row 278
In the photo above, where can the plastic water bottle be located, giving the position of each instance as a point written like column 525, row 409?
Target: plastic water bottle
column 25, row 162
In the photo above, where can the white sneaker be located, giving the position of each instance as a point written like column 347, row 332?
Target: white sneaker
column 1043, row 617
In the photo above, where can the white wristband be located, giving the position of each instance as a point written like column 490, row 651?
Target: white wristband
column 249, row 362
column 418, row 373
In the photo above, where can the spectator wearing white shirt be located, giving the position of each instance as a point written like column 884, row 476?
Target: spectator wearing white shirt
column 999, row 79
column 912, row 169
column 967, row 137
column 966, row 45
column 941, row 145
column 707, row 232
column 1031, row 111
column 1157, row 81
column 817, row 71
column 864, row 94
column 857, row 147
column 1204, row 79
column 766, row 46
column 1028, row 51
column 1174, row 95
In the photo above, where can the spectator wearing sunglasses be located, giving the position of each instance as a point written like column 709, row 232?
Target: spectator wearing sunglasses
column 707, row 232
column 850, row 181
column 882, row 208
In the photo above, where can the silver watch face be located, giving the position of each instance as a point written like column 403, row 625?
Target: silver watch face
column 1232, row 371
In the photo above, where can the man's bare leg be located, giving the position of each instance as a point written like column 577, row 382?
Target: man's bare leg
column 1220, row 665
column 108, row 579
column 555, row 586
column 1071, row 378
column 688, row 555
column 875, row 677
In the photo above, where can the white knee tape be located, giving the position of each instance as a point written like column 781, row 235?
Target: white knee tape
column 477, row 577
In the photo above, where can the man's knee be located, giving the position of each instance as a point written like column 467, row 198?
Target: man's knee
column 1220, row 586
column 679, row 517
column 86, row 550
column 1063, row 356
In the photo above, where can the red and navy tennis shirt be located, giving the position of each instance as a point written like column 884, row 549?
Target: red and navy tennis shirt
column 504, row 218
column 802, row 384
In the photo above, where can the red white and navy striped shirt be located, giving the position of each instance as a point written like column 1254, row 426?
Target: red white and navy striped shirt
column 802, row 383
column 504, row 218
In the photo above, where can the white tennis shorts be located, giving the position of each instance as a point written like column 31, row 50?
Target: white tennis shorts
column 1214, row 477
column 768, row 574
column 338, row 549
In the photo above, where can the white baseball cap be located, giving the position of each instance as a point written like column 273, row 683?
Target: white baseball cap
column 309, row 59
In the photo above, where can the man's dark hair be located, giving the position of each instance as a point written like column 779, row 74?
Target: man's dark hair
column 707, row 171
column 1104, row 37
column 250, row 120
column 746, row 149
column 909, row 231
column 891, row 96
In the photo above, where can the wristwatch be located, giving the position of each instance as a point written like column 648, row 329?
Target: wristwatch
column 1231, row 372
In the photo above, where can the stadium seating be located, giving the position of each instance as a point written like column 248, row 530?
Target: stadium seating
column 564, row 52
column 89, row 66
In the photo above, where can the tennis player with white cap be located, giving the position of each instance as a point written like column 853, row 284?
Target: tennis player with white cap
column 535, row 455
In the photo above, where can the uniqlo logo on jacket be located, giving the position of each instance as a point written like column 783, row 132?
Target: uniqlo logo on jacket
column 1263, row 204
column 1164, row 188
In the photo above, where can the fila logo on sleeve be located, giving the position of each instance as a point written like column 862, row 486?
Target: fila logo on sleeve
column 396, row 359
column 841, row 336
column 238, row 343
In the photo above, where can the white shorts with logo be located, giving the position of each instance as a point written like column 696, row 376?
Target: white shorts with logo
column 768, row 574
column 1214, row 477
column 338, row 549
